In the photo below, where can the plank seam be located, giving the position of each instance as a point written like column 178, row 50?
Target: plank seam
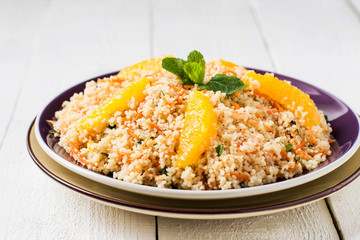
column 353, row 8
column 261, row 33
column 333, row 217
column 2, row 140
column 156, row 228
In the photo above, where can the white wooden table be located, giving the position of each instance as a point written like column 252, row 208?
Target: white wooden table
column 48, row 45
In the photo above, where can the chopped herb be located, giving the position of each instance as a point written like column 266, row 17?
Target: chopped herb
column 152, row 138
column 140, row 141
column 155, row 144
column 297, row 159
column 288, row 147
column 242, row 184
column 104, row 154
column 310, row 145
column 192, row 72
column 293, row 122
column 111, row 127
column 53, row 131
column 326, row 117
column 219, row 149
column 142, row 172
column 162, row 93
column 163, row 171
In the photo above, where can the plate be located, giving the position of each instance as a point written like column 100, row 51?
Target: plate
column 339, row 115
column 195, row 209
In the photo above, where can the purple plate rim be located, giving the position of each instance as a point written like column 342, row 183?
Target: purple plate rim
column 185, row 194
column 102, row 198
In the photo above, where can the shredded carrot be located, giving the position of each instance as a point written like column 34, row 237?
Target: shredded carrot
column 277, row 105
column 303, row 154
column 259, row 107
column 240, row 176
column 332, row 141
column 256, row 92
column 165, row 101
column 235, row 105
column 188, row 86
column 301, row 144
column 294, row 168
column 253, row 122
column 271, row 111
column 259, row 116
column 149, row 145
column 170, row 153
column 154, row 126
column 177, row 89
column 132, row 134
column 284, row 153
column 204, row 91
column 312, row 138
column 74, row 152
column 326, row 152
column 139, row 115
column 179, row 99
column 270, row 129
column 230, row 71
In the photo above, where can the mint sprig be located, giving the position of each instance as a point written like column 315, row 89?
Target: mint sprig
column 224, row 83
column 192, row 72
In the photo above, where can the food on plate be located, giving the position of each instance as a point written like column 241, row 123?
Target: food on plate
column 190, row 124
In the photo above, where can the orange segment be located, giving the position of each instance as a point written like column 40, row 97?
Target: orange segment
column 142, row 69
column 199, row 129
column 290, row 97
column 98, row 119
column 228, row 64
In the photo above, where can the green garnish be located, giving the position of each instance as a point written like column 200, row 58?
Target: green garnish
column 152, row 138
column 163, row 171
column 219, row 149
column 162, row 93
column 288, row 147
column 293, row 122
column 192, row 72
column 242, row 184
column 104, row 154
column 297, row 159
column 142, row 172
column 326, row 118
column 224, row 83
column 140, row 141
column 111, row 127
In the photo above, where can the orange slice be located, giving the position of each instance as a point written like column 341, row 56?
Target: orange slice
column 142, row 69
column 290, row 97
column 98, row 119
column 199, row 129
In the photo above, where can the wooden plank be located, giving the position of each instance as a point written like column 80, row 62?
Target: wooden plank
column 320, row 44
column 346, row 209
column 299, row 223
column 76, row 40
column 217, row 29
column 19, row 23
column 315, row 41
column 355, row 4
column 228, row 30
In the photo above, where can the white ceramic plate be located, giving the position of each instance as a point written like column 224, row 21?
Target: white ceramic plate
column 344, row 121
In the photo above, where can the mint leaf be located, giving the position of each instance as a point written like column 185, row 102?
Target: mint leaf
column 176, row 66
column 224, row 83
column 195, row 72
column 219, row 149
column 197, row 57
column 288, row 147
column 195, row 67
